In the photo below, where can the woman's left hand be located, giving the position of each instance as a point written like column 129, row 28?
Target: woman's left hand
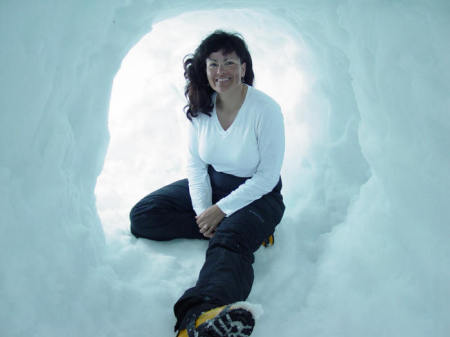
column 209, row 220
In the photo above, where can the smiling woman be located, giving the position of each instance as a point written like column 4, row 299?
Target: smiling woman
column 232, row 195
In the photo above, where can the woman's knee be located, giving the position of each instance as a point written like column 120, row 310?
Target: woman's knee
column 142, row 215
column 135, row 222
column 248, row 227
column 147, row 227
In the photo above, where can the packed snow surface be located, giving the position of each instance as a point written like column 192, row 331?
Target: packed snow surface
column 363, row 247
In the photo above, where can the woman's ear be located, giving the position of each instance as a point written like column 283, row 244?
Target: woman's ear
column 243, row 67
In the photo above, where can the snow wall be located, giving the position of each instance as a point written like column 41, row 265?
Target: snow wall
column 378, row 206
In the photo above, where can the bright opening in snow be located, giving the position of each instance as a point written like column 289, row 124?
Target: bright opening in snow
column 146, row 118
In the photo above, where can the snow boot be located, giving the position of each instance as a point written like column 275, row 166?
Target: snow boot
column 269, row 241
column 233, row 320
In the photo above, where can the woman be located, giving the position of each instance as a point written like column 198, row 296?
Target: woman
column 232, row 194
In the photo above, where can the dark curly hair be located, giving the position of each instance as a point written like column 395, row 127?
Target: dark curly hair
column 197, row 91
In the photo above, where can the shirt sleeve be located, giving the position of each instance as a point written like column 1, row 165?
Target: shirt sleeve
column 271, row 147
column 197, row 173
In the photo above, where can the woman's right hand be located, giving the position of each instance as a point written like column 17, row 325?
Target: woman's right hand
column 209, row 220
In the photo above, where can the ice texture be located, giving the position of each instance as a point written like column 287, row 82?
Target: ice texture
column 363, row 249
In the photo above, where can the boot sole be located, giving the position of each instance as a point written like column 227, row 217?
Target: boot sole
column 230, row 322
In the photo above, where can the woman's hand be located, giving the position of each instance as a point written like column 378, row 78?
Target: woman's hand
column 209, row 220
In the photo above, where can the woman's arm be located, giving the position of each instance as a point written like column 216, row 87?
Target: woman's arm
column 271, row 144
column 197, row 173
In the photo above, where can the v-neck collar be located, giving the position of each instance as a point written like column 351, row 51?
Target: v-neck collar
column 236, row 118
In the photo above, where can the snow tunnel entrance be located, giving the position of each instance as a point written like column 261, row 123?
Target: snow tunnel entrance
column 146, row 119
column 389, row 261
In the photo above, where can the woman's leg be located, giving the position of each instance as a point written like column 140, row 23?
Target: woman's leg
column 227, row 274
column 165, row 214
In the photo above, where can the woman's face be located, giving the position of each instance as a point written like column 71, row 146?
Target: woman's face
column 224, row 71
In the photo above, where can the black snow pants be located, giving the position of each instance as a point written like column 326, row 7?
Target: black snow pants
column 227, row 274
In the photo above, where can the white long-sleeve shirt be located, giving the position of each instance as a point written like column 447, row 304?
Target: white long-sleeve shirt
column 253, row 146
